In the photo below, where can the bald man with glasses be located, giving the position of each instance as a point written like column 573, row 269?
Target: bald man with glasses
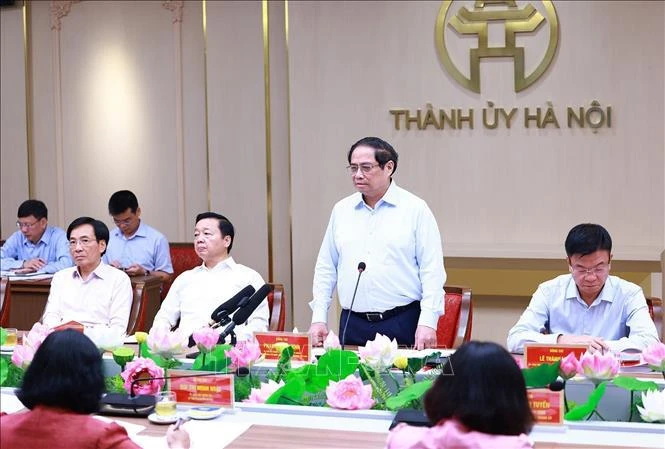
column 35, row 246
column 586, row 306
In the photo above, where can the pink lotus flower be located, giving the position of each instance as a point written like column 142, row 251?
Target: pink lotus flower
column 22, row 356
column 349, row 394
column 379, row 353
column 518, row 360
column 244, row 353
column 165, row 343
column 143, row 368
column 569, row 366
column 331, row 342
column 205, row 338
column 654, row 356
column 36, row 336
column 261, row 395
column 598, row 367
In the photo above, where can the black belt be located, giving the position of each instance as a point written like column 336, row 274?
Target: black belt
column 380, row 316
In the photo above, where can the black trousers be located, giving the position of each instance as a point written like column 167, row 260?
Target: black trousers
column 402, row 327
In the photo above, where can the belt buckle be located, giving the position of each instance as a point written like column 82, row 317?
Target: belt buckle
column 374, row 316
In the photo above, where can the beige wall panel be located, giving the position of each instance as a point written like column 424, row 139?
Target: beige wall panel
column 500, row 193
column 13, row 141
column 118, row 106
column 44, row 179
column 279, row 146
column 196, row 179
column 236, row 126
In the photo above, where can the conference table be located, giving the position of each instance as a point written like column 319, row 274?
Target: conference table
column 29, row 297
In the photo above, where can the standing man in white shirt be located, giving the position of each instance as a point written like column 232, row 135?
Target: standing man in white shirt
column 395, row 235
column 91, row 292
column 587, row 306
column 196, row 293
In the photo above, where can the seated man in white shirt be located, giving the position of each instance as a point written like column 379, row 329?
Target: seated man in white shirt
column 91, row 292
column 196, row 293
column 588, row 306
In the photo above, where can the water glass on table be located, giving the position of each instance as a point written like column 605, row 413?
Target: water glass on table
column 165, row 406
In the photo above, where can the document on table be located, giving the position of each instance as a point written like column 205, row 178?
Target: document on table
column 10, row 403
column 14, row 276
column 201, row 434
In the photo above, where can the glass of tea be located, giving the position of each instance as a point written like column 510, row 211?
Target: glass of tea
column 12, row 337
column 165, row 407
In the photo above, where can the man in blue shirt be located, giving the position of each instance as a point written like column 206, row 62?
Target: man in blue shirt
column 135, row 247
column 588, row 306
column 36, row 246
column 391, row 236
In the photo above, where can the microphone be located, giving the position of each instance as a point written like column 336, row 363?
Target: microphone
column 242, row 315
column 220, row 316
column 361, row 268
column 221, row 313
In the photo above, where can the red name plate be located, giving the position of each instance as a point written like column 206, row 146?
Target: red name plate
column 216, row 389
column 272, row 344
column 537, row 354
column 546, row 405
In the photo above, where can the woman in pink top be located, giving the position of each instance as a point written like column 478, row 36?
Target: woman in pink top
column 478, row 402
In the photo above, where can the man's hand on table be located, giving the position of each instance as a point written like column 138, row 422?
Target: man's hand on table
column 318, row 332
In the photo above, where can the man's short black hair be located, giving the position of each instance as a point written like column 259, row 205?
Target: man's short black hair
column 587, row 238
column 482, row 387
column 35, row 208
column 383, row 151
column 225, row 226
column 122, row 200
column 99, row 227
column 66, row 373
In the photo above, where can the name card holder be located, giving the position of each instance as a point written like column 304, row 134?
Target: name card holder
column 547, row 406
column 272, row 344
column 209, row 388
column 537, row 354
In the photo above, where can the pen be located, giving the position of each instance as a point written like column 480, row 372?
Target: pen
column 181, row 420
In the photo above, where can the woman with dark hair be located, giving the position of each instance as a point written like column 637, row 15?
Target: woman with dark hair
column 479, row 401
column 61, row 387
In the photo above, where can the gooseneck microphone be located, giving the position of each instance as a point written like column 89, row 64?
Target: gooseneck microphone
column 361, row 268
column 220, row 316
column 243, row 314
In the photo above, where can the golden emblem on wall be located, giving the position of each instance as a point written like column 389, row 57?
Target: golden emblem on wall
column 526, row 19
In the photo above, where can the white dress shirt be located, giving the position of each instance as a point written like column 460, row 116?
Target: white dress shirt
column 619, row 315
column 104, row 299
column 399, row 242
column 196, row 293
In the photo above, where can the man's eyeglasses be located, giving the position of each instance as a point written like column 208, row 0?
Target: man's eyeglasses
column 596, row 271
column 84, row 242
column 126, row 221
column 365, row 168
column 26, row 225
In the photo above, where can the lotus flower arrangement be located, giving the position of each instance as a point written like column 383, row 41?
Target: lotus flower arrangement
column 244, row 353
column 261, row 394
column 598, row 367
column 166, row 343
column 569, row 366
column 653, row 406
column 654, row 356
column 142, row 368
column 331, row 342
column 349, row 394
column 379, row 353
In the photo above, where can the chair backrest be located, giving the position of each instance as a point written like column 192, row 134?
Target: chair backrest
column 454, row 326
column 5, row 300
column 277, row 305
column 183, row 258
column 656, row 311
column 137, row 312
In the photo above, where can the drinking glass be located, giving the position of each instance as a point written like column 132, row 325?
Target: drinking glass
column 165, row 407
column 12, row 337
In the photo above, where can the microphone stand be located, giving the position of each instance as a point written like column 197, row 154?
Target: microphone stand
column 361, row 268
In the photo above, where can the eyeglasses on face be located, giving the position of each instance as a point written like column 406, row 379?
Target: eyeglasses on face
column 365, row 168
column 596, row 271
column 125, row 222
column 23, row 225
column 83, row 241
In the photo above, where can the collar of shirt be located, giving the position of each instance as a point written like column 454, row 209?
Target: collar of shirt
column 606, row 293
column 100, row 271
column 391, row 197
column 140, row 232
column 46, row 237
column 226, row 264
